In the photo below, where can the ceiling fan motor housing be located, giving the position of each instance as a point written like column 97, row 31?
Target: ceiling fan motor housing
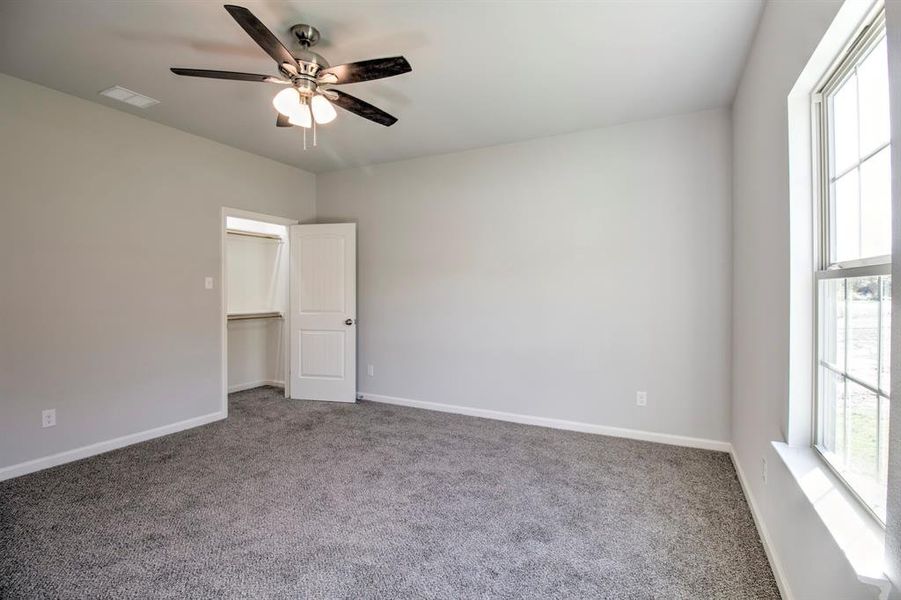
column 309, row 63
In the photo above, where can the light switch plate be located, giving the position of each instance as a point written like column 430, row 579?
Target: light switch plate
column 208, row 283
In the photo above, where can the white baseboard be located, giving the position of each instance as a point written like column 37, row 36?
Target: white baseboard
column 240, row 387
column 53, row 460
column 635, row 434
column 775, row 564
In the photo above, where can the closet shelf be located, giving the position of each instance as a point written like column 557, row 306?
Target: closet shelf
column 254, row 234
column 256, row 315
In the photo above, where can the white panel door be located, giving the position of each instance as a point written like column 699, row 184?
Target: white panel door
column 324, row 312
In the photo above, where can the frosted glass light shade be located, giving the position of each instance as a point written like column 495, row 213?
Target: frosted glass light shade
column 301, row 116
column 287, row 101
column 323, row 111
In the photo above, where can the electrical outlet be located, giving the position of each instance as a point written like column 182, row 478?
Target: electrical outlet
column 641, row 398
column 208, row 283
column 48, row 418
column 763, row 469
column 370, row 370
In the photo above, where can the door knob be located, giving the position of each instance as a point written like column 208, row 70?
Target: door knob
column 349, row 322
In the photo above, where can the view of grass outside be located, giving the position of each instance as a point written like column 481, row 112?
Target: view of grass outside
column 854, row 382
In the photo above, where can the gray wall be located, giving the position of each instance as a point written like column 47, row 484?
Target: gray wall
column 528, row 278
column 109, row 225
column 786, row 38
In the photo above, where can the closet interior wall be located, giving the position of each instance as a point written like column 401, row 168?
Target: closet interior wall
column 257, row 295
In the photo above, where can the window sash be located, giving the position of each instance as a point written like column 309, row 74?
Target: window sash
column 846, row 66
column 841, row 471
column 865, row 267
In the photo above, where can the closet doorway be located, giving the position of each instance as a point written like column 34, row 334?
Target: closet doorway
column 255, row 300
column 288, row 307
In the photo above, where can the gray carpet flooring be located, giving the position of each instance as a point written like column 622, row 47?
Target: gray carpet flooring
column 315, row 500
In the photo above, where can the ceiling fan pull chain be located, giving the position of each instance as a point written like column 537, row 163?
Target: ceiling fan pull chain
column 304, row 138
column 314, row 133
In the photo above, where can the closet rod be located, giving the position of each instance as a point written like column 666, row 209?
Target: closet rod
column 260, row 315
column 267, row 236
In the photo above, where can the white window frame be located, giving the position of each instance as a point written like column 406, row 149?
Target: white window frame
column 824, row 268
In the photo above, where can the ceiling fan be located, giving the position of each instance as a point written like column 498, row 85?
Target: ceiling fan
column 308, row 100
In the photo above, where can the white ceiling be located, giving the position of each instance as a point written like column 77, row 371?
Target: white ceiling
column 484, row 73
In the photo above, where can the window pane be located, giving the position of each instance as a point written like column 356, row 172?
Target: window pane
column 862, row 430
column 863, row 329
column 832, row 411
column 859, row 458
column 876, row 205
column 832, row 322
column 885, row 367
column 846, row 219
column 845, row 151
column 872, row 75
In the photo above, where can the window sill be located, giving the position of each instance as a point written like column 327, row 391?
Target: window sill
column 860, row 537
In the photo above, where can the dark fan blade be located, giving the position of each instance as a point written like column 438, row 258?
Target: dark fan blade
column 363, row 109
column 261, row 35
column 282, row 121
column 227, row 75
column 366, row 70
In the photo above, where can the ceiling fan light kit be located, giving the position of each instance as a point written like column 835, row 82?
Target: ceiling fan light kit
column 295, row 106
column 323, row 111
column 287, row 101
column 300, row 117
column 308, row 100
